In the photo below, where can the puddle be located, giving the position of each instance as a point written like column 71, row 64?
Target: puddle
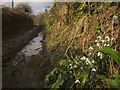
column 34, row 46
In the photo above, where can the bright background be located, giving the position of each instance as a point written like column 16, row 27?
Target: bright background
column 37, row 6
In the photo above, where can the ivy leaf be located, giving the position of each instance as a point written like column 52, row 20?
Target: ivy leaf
column 114, row 54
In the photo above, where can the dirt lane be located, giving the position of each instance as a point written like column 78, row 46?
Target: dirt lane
column 11, row 46
column 29, row 72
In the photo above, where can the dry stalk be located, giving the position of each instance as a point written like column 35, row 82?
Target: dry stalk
column 80, row 23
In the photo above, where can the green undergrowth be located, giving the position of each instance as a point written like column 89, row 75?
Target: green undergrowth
column 82, row 45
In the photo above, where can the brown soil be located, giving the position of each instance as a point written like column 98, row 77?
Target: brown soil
column 28, row 73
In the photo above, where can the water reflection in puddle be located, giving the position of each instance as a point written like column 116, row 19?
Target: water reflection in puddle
column 34, row 46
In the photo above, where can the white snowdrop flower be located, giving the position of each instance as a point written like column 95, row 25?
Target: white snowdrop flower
column 83, row 81
column 88, row 61
column 101, row 57
column 107, row 38
column 98, row 44
column 112, row 39
column 76, row 57
column 71, row 67
column 83, row 58
column 103, row 41
column 108, row 45
column 93, row 61
column 99, row 54
column 105, row 44
column 115, row 17
column 75, row 66
column 89, row 54
column 94, row 70
column 91, row 48
column 96, row 40
column 98, row 37
column 76, row 62
column 77, row 81
column 70, row 64
column 81, row 68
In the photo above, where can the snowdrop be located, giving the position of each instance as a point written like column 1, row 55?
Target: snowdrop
column 71, row 67
column 96, row 40
column 105, row 44
column 93, row 61
column 91, row 48
column 75, row 66
column 77, row 81
column 94, row 70
column 98, row 37
column 100, row 55
column 107, row 38
column 70, row 64
column 108, row 45
column 81, row 68
column 83, row 81
column 103, row 41
column 88, row 61
column 113, row 39
column 115, row 17
column 89, row 54
column 83, row 58
column 98, row 44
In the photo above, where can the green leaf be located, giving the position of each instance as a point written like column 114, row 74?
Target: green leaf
column 84, row 78
column 114, row 83
column 79, row 52
column 64, row 63
column 82, row 6
column 114, row 54
column 59, row 82
column 51, row 73
column 116, row 74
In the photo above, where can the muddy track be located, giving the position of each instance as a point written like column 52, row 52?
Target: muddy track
column 27, row 72
column 11, row 46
